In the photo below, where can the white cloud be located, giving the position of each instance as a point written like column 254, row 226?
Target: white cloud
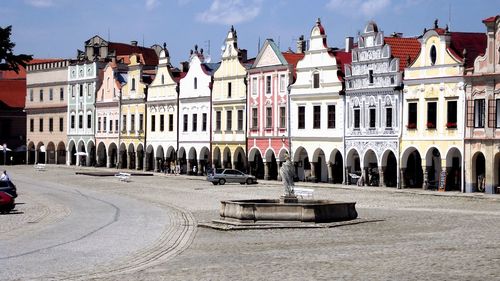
column 151, row 4
column 230, row 11
column 40, row 3
column 368, row 8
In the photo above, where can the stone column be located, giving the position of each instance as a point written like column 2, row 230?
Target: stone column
column 200, row 168
column 402, row 172
column 381, row 180
column 266, row 170
column 346, row 177
column 313, row 172
column 189, row 169
column 365, row 176
column 278, row 167
column 426, row 178
column 110, row 160
column 329, row 166
column 137, row 161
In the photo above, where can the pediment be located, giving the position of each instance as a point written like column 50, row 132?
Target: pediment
column 268, row 57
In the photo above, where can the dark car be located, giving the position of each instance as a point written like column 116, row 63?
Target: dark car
column 8, row 193
column 230, row 176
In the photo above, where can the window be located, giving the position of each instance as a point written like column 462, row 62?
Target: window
column 141, row 122
column 89, row 121
column 497, row 117
column 72, row 91
column 218, row 120
column 433, row 55
column 268, row 84
column 479, row 113
column 204, row 122
column 302, row 117
column 31, row 94
column 229, row 120
column 254, row 118
column 370, row 76
column 41, row 95
column 51, row 94
column 162, row 79
column 240, row 120
column 80, row 121
column 110, row 126
column 132, row 122
column 185, row 124
column 124, row 122
column 40, row 128
column 254, row 86
column 72, row 121
column 282, row 117
column 229, row 89
column 452, row 114
column 153, row 123
column 195, row 83
column 98, row 124
column 195, row 122
column 51, row 124
column 133, row 84
column 61, row 124
column 316, row 80
column 388, row 117
column 282, row 83
column 412, row 115
column 104, row 124
column 331, row 116
column 81, row 90
column 32, row 125
column 269, row 117
column 431, row 115
column 162, row 122
column 357, row 119
column 61, row 93
column 316, row 117
column 372, row 117
column 170, row 122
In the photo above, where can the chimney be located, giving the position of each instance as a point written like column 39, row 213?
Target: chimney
column 133, row 43
column 349, row 42
column 184, row 66
column 242, row 56
column 301, row 45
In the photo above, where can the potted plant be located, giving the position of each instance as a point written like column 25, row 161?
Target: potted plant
column 411, row 126
column 431, row 125
column 451, row 125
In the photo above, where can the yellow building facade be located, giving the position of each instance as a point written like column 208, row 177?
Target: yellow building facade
column 229, row 107
column 432, row 142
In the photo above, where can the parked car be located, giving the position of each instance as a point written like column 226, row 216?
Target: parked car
column 230, row 176
column 8, row 193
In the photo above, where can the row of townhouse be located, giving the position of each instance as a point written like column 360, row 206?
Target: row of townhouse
column 386, row 110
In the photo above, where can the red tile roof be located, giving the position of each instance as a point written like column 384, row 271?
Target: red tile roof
column 293, row 58
column 342, row 58
column 36, row 61
column 473, row 43
column 121, row 49
column 403, row 48
column 13, row 92
column 491, row 19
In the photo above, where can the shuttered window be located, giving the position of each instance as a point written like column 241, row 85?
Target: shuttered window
column 491, row 112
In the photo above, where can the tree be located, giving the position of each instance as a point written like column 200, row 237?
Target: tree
column 9, row 61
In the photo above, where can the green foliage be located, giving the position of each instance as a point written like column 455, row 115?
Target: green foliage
column 8, row 60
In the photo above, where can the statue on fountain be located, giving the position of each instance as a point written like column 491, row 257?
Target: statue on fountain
column 287, row 173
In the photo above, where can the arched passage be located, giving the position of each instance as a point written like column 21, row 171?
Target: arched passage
column 454, row 169
column 256, row 163
column 81, row 154
column 204, row 161
column 479, row 171
column 182, row 160
column 496, row 170
column 217, row 161
column 51, row 153
column 272, row 166
column 171, row 158
column 336, row 166
column 370, row 165
column 101, row 155
column 91, row 154
column 131, row 156
column 319, row 170
column 140, row 157
column 240, row 162
column 412, row 169
column 226, row 158
column 112, row 155
column 72, row 153
column 303, row 166
column 159, row 158
column 41, row 153
column 61, row 153
column 123, row 157
column 353, row 166
column 390, row 169
column 31, row 153
column 433, row 168
column 192, row 162
column 150, row 161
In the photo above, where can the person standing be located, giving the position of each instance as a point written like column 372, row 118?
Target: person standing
column 4, row 176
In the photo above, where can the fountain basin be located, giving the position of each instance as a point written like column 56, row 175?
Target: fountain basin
column 319, row 211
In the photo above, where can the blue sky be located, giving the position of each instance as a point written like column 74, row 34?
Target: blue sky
column 57, row 28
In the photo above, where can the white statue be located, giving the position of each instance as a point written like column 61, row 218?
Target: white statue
column 287, row 173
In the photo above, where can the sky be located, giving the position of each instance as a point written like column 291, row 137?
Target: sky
column 57, row 28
